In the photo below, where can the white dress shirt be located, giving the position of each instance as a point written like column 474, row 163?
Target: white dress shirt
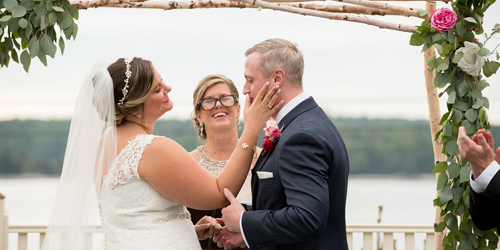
column 482, row 181
column 282, row 113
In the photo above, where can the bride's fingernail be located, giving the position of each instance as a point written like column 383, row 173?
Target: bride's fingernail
column 279, row 90
column 267, row 83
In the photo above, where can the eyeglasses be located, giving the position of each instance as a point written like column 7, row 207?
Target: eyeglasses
column 210, row 103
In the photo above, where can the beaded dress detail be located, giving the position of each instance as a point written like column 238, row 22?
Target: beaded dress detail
column 136, row 216
column 215, row 167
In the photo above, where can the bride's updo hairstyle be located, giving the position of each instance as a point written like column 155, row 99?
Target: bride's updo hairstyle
column 200, row 91
column 139, row 85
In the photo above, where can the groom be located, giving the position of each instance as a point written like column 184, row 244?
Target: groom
column 299, row 188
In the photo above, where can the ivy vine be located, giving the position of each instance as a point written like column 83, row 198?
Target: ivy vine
column 28, row 29
column 462, row 64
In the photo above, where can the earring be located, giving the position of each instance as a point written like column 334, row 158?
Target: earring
column 201, row 127
column 139, row 116
column 238, row 126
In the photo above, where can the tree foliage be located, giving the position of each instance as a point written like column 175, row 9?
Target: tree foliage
column 28, row 29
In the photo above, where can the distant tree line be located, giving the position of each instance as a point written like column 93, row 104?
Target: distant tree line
column 375, row 146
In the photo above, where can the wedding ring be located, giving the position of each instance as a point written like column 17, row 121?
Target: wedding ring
column 270, row 107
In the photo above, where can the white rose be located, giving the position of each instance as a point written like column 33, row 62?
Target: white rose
column 466, row 62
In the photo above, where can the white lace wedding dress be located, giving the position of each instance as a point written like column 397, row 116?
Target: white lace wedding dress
column 134, row 215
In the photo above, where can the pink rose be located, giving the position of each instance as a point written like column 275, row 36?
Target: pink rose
column 267, row 145
column 443, row 19
column 275, row 134
column 270, row 126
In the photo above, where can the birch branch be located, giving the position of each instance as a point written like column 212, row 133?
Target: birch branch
column 225, row 4
column 343, row 17
column 385, row 6
column 290, row 1
column 79, row 4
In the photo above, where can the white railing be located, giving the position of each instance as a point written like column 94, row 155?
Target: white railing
column 364, row 234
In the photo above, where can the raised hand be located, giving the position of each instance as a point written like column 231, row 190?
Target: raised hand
column 478, row 151
column 263, row 106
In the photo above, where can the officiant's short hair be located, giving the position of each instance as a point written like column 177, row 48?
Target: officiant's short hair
column 279, row 53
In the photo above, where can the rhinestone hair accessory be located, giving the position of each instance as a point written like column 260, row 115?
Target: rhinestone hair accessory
column 128, row 73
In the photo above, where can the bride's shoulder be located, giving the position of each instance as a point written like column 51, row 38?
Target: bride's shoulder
column 164, row 144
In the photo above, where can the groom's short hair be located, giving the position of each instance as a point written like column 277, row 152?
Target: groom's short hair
column 280, row 54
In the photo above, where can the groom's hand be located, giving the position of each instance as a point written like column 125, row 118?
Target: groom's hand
column 229, row 240
column 232, row 213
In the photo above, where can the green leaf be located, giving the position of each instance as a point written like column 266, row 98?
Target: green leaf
column 452, row 148
column 34, row 47
column 486, row 102
column 75, row 30
column 457, row 116
column 458, row 57
column 422, row 12
column 483, row 52
column 438, row 47
column 445, row 195
column 464, row 173
column 25, row 60
column 5, row 18
column 61, row 45
column 443, row 66
column 477, row 104
column 444, row 118
column 67, row 21
column 416, row 39
column 442, row 181
column 470, row 20
column 58, row 9
column 440, row 227
column 18, row 11
column 14, row 56
column 483, row 84
column 43, row 58
column 473, row 59
column 465, row 245
column 74, row 12
column 52, row 18
column 10, row 4
column 436, row 37
column 452, row 224
column 440, row 80
column 47, row 46
column 471, row 115
column 451, row 97
column 453, row 170
column 460, row 30
column 440, row 167
column 23, row 23
column 462, row 106
column 431, row 61
column 470, row 128
column 463, row 88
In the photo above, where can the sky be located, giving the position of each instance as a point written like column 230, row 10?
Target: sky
column 351, row 69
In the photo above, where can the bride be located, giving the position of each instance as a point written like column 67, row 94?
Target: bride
column 138, row 184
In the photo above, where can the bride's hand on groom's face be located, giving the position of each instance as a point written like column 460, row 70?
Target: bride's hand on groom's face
column 263, row 106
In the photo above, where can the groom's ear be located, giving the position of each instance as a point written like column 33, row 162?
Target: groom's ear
column 279, row 76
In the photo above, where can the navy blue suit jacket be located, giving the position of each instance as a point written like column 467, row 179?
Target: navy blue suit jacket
column 303, row 205
column 484, row 207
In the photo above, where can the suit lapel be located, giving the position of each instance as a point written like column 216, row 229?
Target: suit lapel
column 304, row 106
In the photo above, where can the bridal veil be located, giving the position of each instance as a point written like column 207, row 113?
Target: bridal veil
column 90, row 150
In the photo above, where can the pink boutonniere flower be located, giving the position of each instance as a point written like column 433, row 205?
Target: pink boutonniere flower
column 273, row 134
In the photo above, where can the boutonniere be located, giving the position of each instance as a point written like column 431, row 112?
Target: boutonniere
column 273, row 134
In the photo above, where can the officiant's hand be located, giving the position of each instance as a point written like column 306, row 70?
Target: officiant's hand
column 232, row 213
column 206, row 227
